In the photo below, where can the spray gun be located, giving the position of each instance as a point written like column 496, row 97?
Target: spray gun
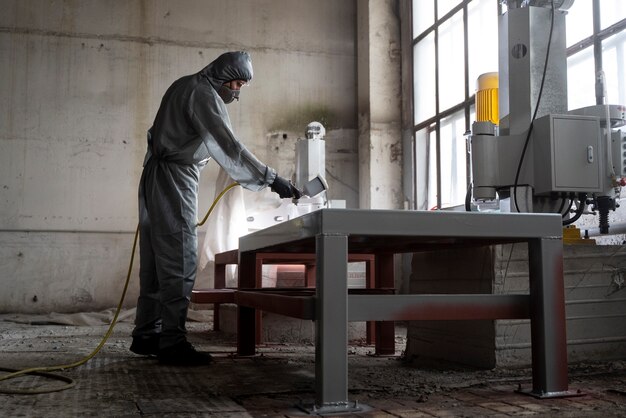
column 315, row 186
column 308, row 179
column 311, row 189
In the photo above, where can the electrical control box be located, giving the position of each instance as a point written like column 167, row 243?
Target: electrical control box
column 569, row 154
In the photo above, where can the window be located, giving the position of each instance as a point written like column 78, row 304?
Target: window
column 450, row 62
column 455, row 41
column 611, row 12
column 614, row 64
column 596, row 40
column 452, row 144
column 424, row 70
column 581, row 82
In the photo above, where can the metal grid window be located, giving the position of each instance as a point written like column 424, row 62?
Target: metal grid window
column 454, row 42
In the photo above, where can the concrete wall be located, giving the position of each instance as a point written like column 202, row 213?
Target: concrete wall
column 80, row 84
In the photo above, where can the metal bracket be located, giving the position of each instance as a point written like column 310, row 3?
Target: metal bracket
column 334, row 408
column 550, row 395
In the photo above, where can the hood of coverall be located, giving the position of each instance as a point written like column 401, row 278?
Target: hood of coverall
column 227, row 67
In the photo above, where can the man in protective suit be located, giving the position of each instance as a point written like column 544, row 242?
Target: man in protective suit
column 191, row 127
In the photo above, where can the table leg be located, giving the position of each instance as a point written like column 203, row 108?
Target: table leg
column 258, row 283
column 246, row 317
column 547, row 318
column 370, row 283
column 331, row 326
column 385, row 330
column 219, row 279
column 309, row 275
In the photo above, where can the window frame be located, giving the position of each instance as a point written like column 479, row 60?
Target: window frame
column 433, row 123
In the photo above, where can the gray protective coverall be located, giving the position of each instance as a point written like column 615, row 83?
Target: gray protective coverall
column 191, row 127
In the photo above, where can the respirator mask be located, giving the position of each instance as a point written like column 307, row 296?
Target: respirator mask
column 227, row 94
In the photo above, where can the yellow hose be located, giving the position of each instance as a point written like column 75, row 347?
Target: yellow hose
column 44, row 371
column 217, row 199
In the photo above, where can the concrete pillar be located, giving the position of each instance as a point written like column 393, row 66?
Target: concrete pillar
column 379, row 104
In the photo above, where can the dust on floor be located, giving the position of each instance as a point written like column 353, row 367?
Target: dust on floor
column 273, row 383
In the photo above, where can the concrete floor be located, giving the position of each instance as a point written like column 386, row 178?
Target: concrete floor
column 273, row 383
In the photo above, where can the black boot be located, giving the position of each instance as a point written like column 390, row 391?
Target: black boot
column 183, row 354
column 145, row 345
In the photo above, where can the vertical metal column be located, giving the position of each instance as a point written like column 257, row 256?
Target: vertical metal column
column 385, row 330
column 331, row 326
column 258, row 316
column 547, row 318
column 219, row 282
column 370, row 283
column 246, row 317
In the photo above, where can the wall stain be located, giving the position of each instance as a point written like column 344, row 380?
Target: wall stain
column 297, row 119
column 82, row 296
column 395, row 152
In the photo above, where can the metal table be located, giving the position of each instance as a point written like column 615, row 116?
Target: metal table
column 332, row 233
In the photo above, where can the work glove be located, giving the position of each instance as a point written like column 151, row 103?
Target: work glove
column 285, row 189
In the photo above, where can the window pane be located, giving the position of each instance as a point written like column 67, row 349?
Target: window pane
column 451, row 62
column 432, row 171
column 424, row 81
column 611, row 11
column 453, row 161
column 423, row 15
column 579, row 21
column 483, row 39
column 444, row 6
column 581, row 90
column 614, row 63
column 422, row 159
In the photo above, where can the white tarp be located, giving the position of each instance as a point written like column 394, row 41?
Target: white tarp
column 228, row 222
